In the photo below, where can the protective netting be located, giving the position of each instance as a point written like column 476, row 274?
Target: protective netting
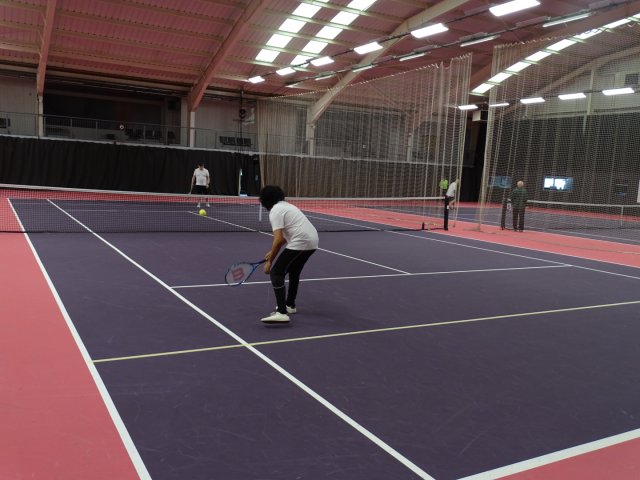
column 576, row 149
column 396, row 136
column 55, row 210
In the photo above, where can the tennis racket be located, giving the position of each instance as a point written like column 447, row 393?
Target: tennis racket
column 239, row 273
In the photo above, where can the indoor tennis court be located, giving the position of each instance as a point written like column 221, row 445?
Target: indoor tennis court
column 471, row 168
column 413, row 354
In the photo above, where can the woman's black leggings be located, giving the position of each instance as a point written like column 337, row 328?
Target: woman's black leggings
column 289, row 262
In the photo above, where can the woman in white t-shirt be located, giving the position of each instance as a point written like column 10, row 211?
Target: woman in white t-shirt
column 291, row 227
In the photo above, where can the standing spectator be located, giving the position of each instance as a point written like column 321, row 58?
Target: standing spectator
column 519, row 198
column 449, row 201
column 201, row 181
column 450, row 196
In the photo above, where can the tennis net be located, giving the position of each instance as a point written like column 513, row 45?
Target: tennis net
column 46, row 209
column 581, row 216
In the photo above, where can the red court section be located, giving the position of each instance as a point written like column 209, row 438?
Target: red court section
column 54, row 423
column 617, row 462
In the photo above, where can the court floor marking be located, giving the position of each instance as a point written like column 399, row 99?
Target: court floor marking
column 555, row 456
column 354, row 277
column 312, row 393
column 526, row 256
column 127, row 441
column 374, row 330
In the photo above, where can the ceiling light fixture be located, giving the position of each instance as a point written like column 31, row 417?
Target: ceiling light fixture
column 513, row 6
column 429, row 30
column 502, row 104
column 482, row 88
column 571, row 96
column 478, row 40
column 360, row 69
column 527, row 101
column 570, row 18
column 369, row 47
column 318, row 62
column 256, row 79
column 285, row 71
column 467, row 107
column 618, row 91
column 411, row 56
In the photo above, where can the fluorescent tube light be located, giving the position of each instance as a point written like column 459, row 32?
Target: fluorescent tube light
column 513, row 6
column 412, row 56
column 361, row 4
column 571, row 96
column 589, row 34
column 618, row 91
column 518, row 67
column 527, row 101
column 482, row 88
column 618, row 23
column 278, row 41
column 479, row 40
column 344, row 18
column 500, row 77
column 468, row 107
column 429, row 30
column 536, row 57
column 292, row 26
column 369, row 47
column 502, row 104
column 318, row 62
column 306, row 10
column 265, row 55
column 561, row 45
column 571, row 18
column 285, row 71
column 329, row 32
column 360, row 69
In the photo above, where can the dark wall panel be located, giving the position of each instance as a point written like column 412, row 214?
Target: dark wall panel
column 55, row 163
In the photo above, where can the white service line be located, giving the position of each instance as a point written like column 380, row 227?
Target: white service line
column 316, row 396
column 419, row 274
column 529, row 257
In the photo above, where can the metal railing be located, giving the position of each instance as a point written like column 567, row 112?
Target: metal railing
column 110, row 131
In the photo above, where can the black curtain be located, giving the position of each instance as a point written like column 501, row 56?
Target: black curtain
column 104, row 166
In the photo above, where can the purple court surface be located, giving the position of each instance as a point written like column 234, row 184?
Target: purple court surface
column 412, row 355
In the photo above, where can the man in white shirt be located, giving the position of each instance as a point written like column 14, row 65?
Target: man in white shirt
column 291, row 227
column 200, row 181
column 449, row 201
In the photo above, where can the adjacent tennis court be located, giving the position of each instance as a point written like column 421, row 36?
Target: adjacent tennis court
column 414, row 353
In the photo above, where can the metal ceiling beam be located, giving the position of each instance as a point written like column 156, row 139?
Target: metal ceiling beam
column 174, row 12
column 361, row 13
column 254, row 8
column 47, row 31
column 410, row 24
column 573, row 28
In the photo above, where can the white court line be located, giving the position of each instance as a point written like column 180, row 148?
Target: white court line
column 381, row 276
column 312, row 393
column 555, row 457
column 528, row 257
column 132, row 451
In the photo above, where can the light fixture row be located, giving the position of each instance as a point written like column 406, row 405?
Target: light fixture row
column 564, row 96
column 308, row 10
column 536, row 57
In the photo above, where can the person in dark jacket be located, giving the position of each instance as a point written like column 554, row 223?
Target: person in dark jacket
column 519, row 198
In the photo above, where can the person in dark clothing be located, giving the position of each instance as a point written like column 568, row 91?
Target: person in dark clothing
column 519, row 198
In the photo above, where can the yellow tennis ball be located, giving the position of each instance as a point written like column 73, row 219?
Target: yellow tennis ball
column 202, row 212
